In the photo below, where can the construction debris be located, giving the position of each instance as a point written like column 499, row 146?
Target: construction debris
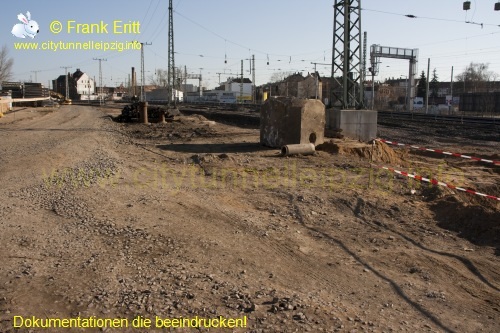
column 130, row 113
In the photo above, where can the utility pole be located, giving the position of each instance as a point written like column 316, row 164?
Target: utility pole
column 315, row 83
column 100, row 78
column 241, row 83
column 36, row 80
column 317, row 76
column 185, row 84
column 200, row 83
column 67, row 85
column 427, row 86
column 171, row 60
column 451, row 90
column 253, row 79
column 142, row 98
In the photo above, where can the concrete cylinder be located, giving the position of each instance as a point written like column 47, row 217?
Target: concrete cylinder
column 303, row 149
column 143, row 112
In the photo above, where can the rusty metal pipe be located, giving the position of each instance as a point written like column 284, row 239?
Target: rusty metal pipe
column 303, row 149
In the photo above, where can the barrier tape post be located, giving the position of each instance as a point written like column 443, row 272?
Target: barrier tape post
column 436, row 182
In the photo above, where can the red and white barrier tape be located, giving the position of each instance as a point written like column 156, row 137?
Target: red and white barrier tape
column 436, row 182
column 440, row 151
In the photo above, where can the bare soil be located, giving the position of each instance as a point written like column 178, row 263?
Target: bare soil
column 195, row 218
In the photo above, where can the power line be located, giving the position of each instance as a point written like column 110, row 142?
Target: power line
column 429, row 18
column 158, row 30
column 457, row 39
column 235, row 43
column 147, row 11
column 145, row 27
column 36, row 80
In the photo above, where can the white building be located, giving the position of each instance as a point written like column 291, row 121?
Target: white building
column 161, row 95
column 234, row 86
column 228, row 92
column 85, row 85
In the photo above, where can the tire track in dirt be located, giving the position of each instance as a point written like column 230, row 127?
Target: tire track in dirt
column 397, row 289
column 282, row 248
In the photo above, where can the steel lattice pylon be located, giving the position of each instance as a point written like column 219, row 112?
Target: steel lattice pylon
column 347, row 85
column 171, row 61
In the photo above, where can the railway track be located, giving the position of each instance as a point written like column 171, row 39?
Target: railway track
column 384, row 116
column 248, row 115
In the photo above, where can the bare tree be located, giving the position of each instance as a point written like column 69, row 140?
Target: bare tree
column 160, row 77
column 280, row 76
column 475, row 77
column 6, row 64
column 307, row 87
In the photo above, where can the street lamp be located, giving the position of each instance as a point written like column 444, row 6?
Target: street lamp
column 406, row 89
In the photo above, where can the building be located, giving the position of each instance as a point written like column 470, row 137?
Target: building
column 228, row 92
column 310, row 87
column 161, row 95
column 188, row 88
column 296, row 85
column 85, row 85
column 234, row 86
column 80, row 85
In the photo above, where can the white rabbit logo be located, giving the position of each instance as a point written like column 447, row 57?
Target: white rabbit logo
column 26, row 28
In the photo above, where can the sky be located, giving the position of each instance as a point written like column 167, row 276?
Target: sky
column 211, row 37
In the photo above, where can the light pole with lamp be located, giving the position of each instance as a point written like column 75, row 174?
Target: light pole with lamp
column 406, row 89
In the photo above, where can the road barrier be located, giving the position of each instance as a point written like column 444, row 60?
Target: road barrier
column 436, row 182
column 440, row 152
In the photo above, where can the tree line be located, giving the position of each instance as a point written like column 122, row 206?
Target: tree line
column 476, row 77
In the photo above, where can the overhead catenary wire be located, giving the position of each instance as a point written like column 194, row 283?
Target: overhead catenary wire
column 247, row 48
column 323, row 55
column 144, row 27
column 429, row 18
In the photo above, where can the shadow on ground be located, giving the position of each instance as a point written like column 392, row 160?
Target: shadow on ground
column 202, row 148
column 478, row 224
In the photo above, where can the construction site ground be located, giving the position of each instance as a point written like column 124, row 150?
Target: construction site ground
column 195, row 218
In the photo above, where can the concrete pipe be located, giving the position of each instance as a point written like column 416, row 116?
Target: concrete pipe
column 143, row 112
column 304, row 149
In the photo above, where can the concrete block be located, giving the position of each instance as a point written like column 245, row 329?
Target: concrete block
column 355, row 124
column 285, row 121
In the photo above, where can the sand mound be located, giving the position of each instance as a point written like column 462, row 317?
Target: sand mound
column 195, row 118
column 382, row 153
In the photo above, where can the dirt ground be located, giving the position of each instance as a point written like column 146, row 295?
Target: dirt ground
column 193, row 218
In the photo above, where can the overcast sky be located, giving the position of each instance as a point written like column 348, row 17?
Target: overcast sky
column 290, row 34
